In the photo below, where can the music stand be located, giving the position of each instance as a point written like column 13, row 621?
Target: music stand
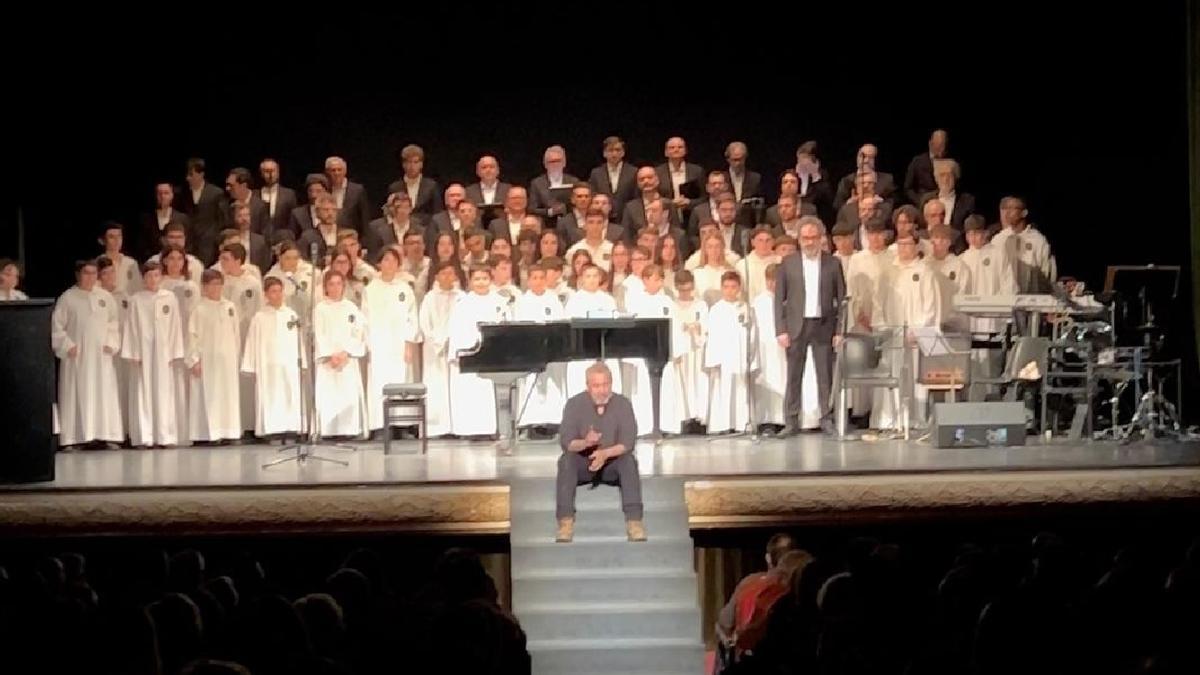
column 1152, row 285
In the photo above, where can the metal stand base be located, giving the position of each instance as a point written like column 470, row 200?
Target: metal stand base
column 302, row 452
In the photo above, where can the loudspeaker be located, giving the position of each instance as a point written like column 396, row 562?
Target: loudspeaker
column 978, row 425
column 26, row 392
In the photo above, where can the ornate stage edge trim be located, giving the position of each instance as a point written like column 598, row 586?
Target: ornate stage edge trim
column 466, row 509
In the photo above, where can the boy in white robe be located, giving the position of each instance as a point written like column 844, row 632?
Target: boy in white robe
column 86, row 337
column 214, row 339
column 10, row 277
column 473, row 398
column 541, row 393
column 649, row 303
column 843, row 244
column 728, row 359
column 272, row 357
column 108, row 281
column 953, row 276
column 339, row 345
column 770, row 384
column 761, row 256
column 1026, row 249
column 684, row 404
column 502, row 280
column 174, row 235
column 154, row 350
column 434, row 321
column 555, row 283
column 244, row 290
column 589, row 301
column 129, row 276
column 390, row 305
column 234, row 237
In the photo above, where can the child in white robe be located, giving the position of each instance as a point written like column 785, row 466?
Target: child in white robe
column 154, row 350
column 273, row 357
column 86, row 337
column 648, row 303
column 473, row 398
column 244, row 289
column 340, row 343
column 214, row 339
column 129, row 275
column 770, row 384
column 588, row 301
column 685, row 382
column 434, row 321
column 10, row 278
column 953, row 277
column 108, row 281
column 177, row 278
column 390, row 305
column 728, row 358
column 541, row 393
column 990, row 275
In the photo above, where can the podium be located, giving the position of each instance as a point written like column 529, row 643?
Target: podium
column 27, row 392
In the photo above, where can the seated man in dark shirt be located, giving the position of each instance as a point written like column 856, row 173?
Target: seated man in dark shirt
column 597, row 435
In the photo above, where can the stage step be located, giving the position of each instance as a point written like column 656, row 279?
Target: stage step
column 602, row 604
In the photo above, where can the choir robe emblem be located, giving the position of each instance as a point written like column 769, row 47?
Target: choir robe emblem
column 987, row 261
column 187, row 293
column 103, row 304
column 124, row 304
column 231, row 312
column 351, row 318
column 952, row 275
column 401, row 296
column 129, row 275
column 1028, row 246
column 304, row 285
column 166, row 309
column 249, row 293
column 916, row 277
column 666, row 311
column 547, row 311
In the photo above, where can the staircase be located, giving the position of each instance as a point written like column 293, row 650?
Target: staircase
column 602, row 604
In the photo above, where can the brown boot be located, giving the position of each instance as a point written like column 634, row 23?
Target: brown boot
column 635, row 530
column 566, row 530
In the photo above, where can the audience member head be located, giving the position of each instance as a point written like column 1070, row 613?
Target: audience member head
column 412, row 160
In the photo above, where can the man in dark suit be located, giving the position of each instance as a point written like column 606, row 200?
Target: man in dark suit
column 508, row 225
column 813, row 185
column 677, row 172
column 206, row 208
column 257, row 250
column 633, row 217
column 303, row 218
column 354, row 208
column 321, row 238
column 280, row 200
column 706, row 211
column 658, row 220
column 958, row 205
column 744, row 184
column 422, row 191
column 153, row 223
column 447, row 219
column 570, row 224
column 541, row 202
column 390, row 229
column 865, row 193
column 615, row 177
column 490, row 189
column 918, row 179
column 727, row 223
column 885, row 185
column 809, row 289
column 237, row 186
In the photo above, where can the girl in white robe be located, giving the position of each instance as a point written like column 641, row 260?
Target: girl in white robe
column 297, row 277
column 214, row 338
column 542, row 397
column 243, row 288
column 390, row 305
column 473, row 398
column 177, row 278
column 342, row 263
column 649, row 303
column 86, row 337
column 434, row 321
column 272, row 356
column 685, row 382
column 727, row 359
column 340, row 342
column 154, row 350
column 588, row 301
column 712, row 268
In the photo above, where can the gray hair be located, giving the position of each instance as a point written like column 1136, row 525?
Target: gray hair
column 554, row 148
column 736, row 145
column 330, row 161
column 948, row 164
column 599, row 367
column 811, row 220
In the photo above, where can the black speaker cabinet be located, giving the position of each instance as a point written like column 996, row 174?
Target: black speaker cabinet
column 27, row 392
column 978, row 425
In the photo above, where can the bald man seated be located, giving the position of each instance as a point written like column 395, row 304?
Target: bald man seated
column 597, row 434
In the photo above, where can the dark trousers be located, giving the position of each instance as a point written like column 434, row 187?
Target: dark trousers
column 621, row 471
column 817, row 335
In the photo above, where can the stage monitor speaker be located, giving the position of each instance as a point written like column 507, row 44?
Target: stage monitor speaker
column 26, row 392
column 978, row 425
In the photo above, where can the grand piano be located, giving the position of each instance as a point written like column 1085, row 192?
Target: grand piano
column 507, row 352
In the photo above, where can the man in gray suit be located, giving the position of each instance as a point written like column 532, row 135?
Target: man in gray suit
column 354, row 209
column 615, row 177
column 809, row 290
column 490, row 189
column 280, row 200
column 541, row 202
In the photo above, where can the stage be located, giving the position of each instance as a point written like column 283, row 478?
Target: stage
column 461, row 487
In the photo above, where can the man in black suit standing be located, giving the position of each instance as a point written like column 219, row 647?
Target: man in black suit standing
column 206, row 208
column 280, row 200
column 354, row 209
column 257, row 251
column 958, row 205
column 237, row 186
column 155, row 222
column 541, row 202
column 422, row 191
column 303, row 218
column 885, row 185
column 919, row 179
column 677, row 172
column 809, row 289
column 490, row 189
column 744, row 184
column 390, row 229
column 633, row 217
column 508, row 225
column 615, row 177
column 446, row 220
column 706, row 211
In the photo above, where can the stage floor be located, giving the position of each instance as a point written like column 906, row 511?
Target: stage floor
column 697, row 458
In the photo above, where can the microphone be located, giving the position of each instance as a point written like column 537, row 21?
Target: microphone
column 291, row 276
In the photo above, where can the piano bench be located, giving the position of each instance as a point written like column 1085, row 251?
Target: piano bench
column 404, row 403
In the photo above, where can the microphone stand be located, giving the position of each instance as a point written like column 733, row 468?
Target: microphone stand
column 308, row 441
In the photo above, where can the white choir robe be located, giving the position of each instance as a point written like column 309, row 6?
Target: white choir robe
column 685, row 382
column 770, row 385
column 732, row 259
column 729, row 365
column 122, row 366
column 954, row 278
column 863, row 274
column 245, row 292
column 472, row 398
column 756, row 282
column 434, row 323
column 636, row 374
column 214, row 340
column 1029, row 257
column 272, row 357
column 353, row 289
column 89, row 406
column 341, row 400
column 626, row 293
column 195, row 268
column 153, row 347
column 129, row 275
column 541, row 393
column 15, row 295
column 991, row 274
column 298, row 288
column 597, row 305
column 187, row 293
column 708, row 283
column 845, row 261
column 910, row 298
column 391, row 310
column 247, row 267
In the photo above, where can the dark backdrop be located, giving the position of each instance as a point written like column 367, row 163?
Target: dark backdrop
column 1084, row 114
